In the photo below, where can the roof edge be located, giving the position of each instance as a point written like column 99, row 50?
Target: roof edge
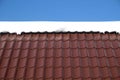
column 54, row 32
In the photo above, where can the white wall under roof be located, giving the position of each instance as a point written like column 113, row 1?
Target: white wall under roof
column 50, row 26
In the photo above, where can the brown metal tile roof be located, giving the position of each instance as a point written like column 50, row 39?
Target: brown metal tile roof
column 60, row 56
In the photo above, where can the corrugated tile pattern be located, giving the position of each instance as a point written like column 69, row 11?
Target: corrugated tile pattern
column 63, row 56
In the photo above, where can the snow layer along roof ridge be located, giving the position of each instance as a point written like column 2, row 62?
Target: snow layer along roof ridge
column 19, row 27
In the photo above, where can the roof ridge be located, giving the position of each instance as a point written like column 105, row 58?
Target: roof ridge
column 55, row 32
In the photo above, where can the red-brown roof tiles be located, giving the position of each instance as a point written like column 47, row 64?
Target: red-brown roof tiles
column 60, row 56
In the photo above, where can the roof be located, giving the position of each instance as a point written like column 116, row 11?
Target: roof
column 60, row 56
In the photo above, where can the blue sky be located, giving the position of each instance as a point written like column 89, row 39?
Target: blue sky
column 59, row 10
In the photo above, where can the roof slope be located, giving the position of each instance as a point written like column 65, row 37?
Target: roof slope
column 68, row 56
